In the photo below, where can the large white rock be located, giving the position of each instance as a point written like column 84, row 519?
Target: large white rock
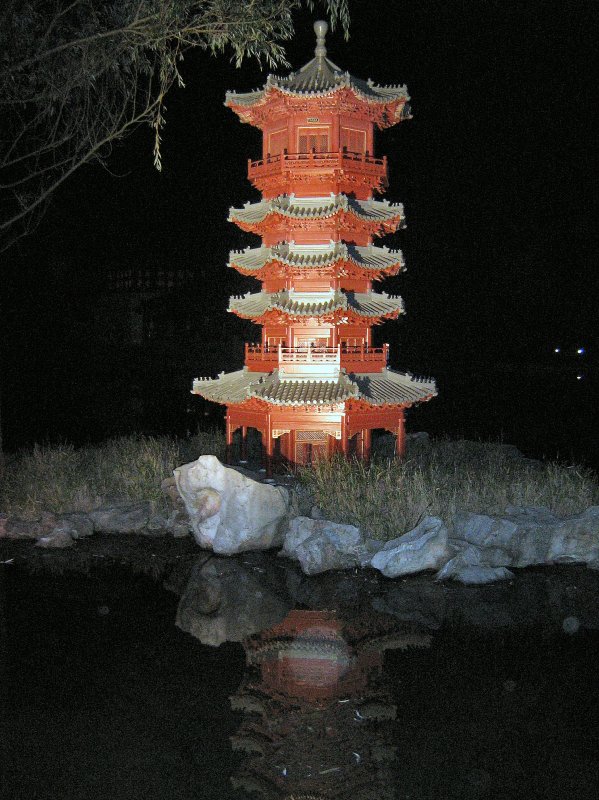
column 321, row 545
column 230, row 512
column 424, row 547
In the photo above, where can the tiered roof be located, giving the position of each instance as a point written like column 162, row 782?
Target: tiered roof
column 357, row 304
column 378, row 213
column 384, row 388
column 321, row 78
column 372, row 260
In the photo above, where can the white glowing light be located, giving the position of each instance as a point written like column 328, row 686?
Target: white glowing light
column 580, row 351
column 557, row 350
column 579, row 377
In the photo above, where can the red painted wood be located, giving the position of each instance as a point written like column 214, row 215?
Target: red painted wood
column 314, row 147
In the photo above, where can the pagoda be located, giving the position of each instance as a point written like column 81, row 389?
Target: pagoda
column 314, row 384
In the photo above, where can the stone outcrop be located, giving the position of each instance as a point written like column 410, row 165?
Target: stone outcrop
column 521, row 537
column 58, row 539
column 230, row 512
column 321, row 545
column 121, row 518
column 424, row 547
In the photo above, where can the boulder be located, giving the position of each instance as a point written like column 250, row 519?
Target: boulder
column 522, row 537
column 122, row 517
column 14, row 528
column 321, row 545
column 58, row 539
column 481, row 575
column 157, row 526
column 424, row 547
column 230, row 512
column 178, row 524
column 78, row 524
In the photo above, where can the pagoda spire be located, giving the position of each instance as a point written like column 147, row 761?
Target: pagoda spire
column 320, row 29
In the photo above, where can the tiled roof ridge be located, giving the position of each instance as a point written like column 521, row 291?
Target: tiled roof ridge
column 323, row 83
column 387, row 387
column 281, row 301
column 285, row 205
column 338, row 251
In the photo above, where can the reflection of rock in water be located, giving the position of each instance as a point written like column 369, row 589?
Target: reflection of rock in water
column 319, row 718
column 226, row 600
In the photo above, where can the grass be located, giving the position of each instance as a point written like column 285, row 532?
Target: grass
column 64, row 478
column 389, row 497
column 384, row 499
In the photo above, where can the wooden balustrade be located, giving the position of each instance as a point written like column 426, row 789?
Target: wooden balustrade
column 353, row 161
column 264, row 359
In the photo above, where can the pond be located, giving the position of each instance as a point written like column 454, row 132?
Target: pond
column 272, row 684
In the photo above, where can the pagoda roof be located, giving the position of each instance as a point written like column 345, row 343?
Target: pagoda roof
column 385, row 388
column 235, row 387
column 363, row 304
column 371, row 258
column 320, row 77
column 316, row 208
column 390, row 387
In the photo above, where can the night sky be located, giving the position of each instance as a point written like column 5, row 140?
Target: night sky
column 495, row 172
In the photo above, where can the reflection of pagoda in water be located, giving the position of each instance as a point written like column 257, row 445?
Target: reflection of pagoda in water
column 318, row 715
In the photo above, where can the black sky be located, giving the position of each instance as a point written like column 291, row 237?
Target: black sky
column 495, row 171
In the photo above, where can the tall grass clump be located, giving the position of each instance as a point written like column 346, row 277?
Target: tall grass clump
column 204, row 443
column 64, row 478
column 389, row 496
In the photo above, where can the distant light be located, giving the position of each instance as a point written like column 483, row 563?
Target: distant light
column 581, row 351
column 557, row 350
column 579, row 377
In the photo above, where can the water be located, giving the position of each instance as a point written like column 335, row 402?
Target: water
column 346, row 685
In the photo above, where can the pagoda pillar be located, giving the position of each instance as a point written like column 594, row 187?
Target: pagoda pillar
column 366, row 444
column 344, row 436
column 244, row 441
column 228, row 438
column 400, row 442
column 268, row 446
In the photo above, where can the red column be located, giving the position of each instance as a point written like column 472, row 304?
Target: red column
column 229, row 438
column 400, row 443
column 269, row 446
column 366, row 443
column 244, row 448
column 344, row 437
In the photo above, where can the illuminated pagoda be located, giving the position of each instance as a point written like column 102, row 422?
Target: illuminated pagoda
column 315, row 384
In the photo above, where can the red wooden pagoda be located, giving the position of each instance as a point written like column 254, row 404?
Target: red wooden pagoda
column 314, row 384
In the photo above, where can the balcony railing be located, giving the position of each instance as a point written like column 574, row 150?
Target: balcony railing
column 343, row 160
column 354, row 359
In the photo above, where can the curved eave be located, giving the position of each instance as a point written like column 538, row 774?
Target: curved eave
column 368, row 261
column 305, row 393
column 387, row 389
column 263, row 308
column 232, row 387
column 390, row 104
column 390, row 388
column 373, row 214
column 243, row 387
